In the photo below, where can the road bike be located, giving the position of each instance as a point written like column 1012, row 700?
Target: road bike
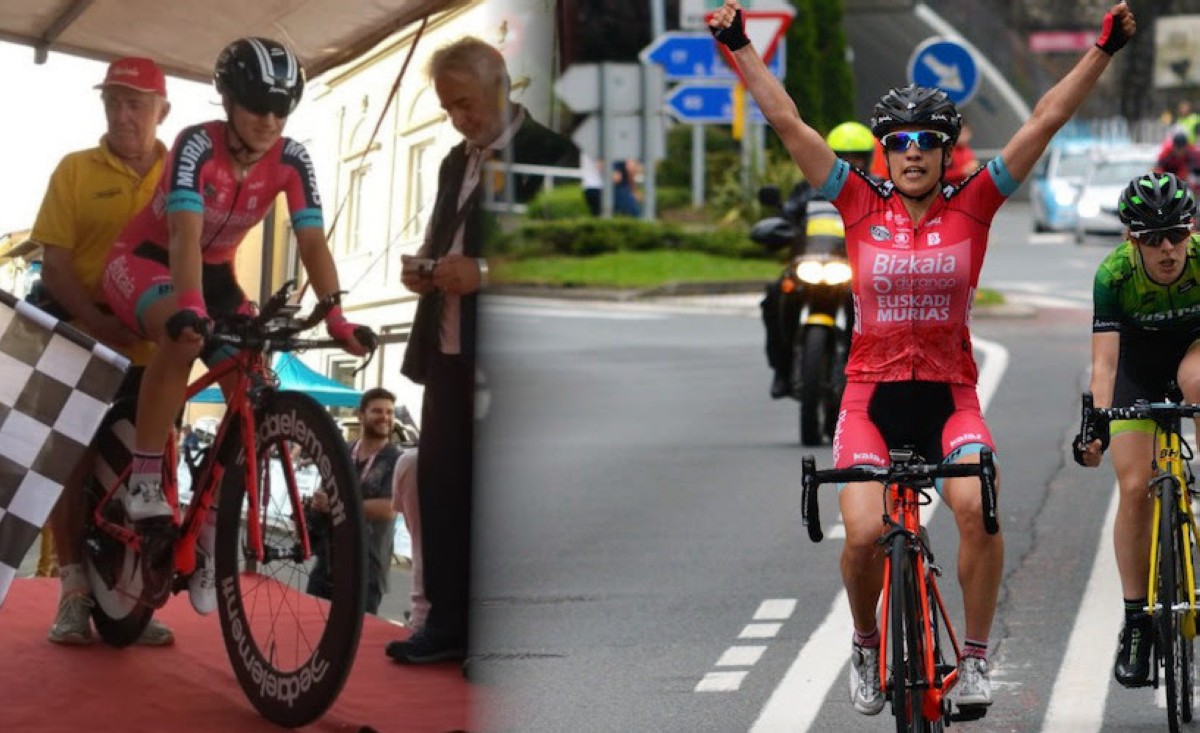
column 1171, row 593
column 291, row 652
column 917, row 676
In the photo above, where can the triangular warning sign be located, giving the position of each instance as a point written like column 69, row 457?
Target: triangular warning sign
column 764, row 28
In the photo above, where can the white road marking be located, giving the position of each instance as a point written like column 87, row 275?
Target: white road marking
column 741, row 656
column 1077, row 700
column 558, row 311
column 721, row 682
column 760, row 631
column 775, row 609
column 796, row 701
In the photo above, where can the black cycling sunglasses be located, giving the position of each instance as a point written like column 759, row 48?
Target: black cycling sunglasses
column 898, row 142
column 1155, row 237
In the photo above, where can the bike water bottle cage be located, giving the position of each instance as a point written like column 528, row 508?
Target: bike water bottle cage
column 925, row 140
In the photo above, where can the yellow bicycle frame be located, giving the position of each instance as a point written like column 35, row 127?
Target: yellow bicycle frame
column 1168, row 460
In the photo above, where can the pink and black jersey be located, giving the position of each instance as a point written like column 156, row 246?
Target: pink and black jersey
column 200, row 177
column 913, row 282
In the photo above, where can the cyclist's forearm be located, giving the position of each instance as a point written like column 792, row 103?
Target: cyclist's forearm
column 183, row 248
column 1063, row 99
column 318, row 263
column 1105, row 352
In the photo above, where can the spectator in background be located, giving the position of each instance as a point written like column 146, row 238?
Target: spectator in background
column 1180, row 157
column 962, row 159
column 92, row 194
column 625, row 199
column 1186, row 121
column 472, row 84
column 406, row 501
column 375, row 459
column 592, row 180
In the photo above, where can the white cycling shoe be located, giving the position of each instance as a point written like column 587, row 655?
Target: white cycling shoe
column 202, row 585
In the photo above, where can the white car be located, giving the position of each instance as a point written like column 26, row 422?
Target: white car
column 1111, row 171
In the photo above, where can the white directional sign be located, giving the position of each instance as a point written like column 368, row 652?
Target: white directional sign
column 580, row 87
column 624, row 136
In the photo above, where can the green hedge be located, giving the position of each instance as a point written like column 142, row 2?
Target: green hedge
column 586, row 236
column 560, row 202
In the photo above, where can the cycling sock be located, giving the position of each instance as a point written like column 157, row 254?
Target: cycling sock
column 1135, row 609
column 147, row 466
column 975, row 648
column 73, row 580
column 208, row 532
column 869, row 641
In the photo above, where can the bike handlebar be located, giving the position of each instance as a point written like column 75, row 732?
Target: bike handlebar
column 905, row 473
column 1140, row 410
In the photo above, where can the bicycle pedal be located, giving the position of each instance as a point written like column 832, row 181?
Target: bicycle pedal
column 967, row 713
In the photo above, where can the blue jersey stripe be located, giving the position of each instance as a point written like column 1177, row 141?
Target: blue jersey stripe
column 307, row 218
column 184, row 200
column 836, row 180
column 1004, row 181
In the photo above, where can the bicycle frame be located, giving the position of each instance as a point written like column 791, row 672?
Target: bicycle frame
column 905, row 518
column 1170, row 474
column 906, row 480
column 248, row 371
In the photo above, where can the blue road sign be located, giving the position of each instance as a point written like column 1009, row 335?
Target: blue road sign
column 695, row 56
column 948, row 65
column 707, row 104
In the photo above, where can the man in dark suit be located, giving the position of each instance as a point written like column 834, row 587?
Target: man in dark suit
column 471, row 80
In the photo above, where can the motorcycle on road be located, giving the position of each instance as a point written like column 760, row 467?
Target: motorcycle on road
column 815, row 305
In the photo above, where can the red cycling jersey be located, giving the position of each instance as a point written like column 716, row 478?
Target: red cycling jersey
column 913, row 284
column 200, row 177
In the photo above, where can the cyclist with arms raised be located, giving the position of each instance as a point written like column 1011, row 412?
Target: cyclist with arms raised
column 916, row 246
column 174, row 261
column 1145, row 327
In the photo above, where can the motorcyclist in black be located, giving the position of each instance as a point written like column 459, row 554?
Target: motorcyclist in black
column 854, row 143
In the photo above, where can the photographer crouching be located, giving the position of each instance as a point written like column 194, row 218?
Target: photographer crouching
column 375, row 460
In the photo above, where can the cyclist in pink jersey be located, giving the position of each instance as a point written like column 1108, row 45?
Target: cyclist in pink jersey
column 174, row 261
column 916, row 246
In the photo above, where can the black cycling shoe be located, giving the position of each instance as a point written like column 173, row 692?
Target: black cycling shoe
column 780, row 387
column 1132, row 667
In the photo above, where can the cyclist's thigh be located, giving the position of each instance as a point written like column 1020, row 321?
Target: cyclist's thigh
column 858, row 442
column 1188, row 374
column 224, row 297
column 134, row 287
column 1132, row 448
column 964, row 436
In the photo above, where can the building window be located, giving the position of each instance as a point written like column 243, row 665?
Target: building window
column 422, row 186
column 356, row 215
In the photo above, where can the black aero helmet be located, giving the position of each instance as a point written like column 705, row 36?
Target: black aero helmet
column 916, row 105
column 261, row 75
column 1156, row 201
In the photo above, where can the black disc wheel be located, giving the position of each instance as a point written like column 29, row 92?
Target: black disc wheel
column 291, row 628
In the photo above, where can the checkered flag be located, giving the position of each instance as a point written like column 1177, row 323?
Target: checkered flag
column 55, row 386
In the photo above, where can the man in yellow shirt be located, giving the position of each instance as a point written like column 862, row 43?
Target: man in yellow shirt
column 92, row 194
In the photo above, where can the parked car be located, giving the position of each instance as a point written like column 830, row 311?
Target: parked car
column 1056, row 180
column 1111, row 171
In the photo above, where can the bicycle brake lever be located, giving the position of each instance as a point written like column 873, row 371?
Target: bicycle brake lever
column 276, row 301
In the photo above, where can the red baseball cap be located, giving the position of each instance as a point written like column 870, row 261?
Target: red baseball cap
column 136, row 73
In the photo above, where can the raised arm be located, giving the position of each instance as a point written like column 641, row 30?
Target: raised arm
column 803, row 143
column 1064, row 98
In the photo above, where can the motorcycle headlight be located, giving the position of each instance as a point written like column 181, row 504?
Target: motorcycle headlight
column 829, row 273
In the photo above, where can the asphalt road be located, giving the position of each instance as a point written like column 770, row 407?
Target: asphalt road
column 641, row 564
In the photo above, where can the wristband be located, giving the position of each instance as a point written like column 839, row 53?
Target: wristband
column 1112, row 35
column 483, row 272
column 733, row 37
column 191, row 300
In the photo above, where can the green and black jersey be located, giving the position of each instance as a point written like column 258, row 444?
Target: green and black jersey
column 1125, row 299
column 1157, row 323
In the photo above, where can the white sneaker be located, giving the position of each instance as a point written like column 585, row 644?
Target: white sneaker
column 974, row 687
column 145, row 500
column 202, row 585
column 864, row 680
column 73, row 624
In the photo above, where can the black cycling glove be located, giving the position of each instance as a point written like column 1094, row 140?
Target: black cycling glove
column 188, row 318
column 1098, row 431
column 1112, row 35
column 733, row 37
